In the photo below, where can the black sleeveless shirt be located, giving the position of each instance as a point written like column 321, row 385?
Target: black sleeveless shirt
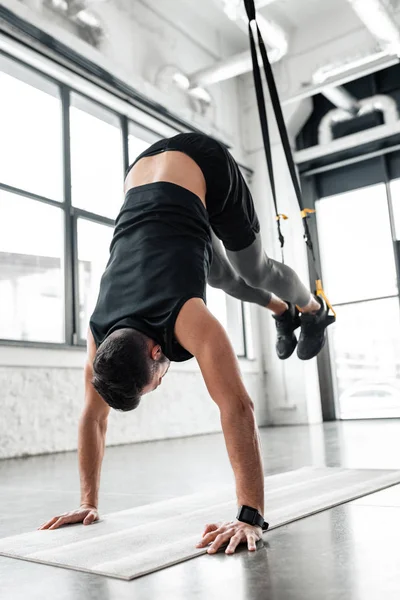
column 160, row 257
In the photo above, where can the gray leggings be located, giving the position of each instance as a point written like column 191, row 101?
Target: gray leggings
column 249, row 275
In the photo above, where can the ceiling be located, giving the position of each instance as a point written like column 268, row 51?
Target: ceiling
column 290, row 14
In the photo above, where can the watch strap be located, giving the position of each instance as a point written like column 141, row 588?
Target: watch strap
column 250, row 515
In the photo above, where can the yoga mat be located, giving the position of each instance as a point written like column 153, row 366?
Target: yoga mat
column 138, row 541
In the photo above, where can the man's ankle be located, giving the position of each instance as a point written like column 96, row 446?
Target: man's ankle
column 277, row 306
column 312, row 307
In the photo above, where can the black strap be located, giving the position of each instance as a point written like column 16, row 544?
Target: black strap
column 264, row 129
column 251, row 14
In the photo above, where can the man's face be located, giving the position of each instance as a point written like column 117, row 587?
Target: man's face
column 162, row 366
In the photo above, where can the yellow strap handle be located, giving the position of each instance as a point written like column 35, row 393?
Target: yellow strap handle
column 320, row 292
column 281, row 216
column 307, row 211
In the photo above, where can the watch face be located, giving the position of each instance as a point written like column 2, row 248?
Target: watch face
column 248, row 513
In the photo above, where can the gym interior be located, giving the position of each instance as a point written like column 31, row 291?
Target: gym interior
column 85, row 87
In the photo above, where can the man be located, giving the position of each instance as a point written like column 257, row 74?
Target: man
column 184, row 195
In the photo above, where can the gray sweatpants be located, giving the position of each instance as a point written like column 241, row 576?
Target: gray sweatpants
column 249, row 275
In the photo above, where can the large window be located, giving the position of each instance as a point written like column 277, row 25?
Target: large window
column 96, row 158
column 357, row 231
column 62, row 163
column 31, row 270
column 93, row 243
column 30, row 131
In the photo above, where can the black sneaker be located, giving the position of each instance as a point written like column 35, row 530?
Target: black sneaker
column 313, row 331
column 286, row 324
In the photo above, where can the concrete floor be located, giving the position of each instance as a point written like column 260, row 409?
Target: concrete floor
column 347, row 553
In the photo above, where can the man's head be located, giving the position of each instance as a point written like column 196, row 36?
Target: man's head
column 127, row 365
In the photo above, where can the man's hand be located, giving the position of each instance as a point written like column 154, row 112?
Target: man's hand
column 84, row 514
column 235, row 531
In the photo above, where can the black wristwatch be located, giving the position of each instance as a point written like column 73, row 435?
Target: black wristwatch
column 250, row 515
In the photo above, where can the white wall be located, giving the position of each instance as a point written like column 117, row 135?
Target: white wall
column 41, row 405
column 42, row 390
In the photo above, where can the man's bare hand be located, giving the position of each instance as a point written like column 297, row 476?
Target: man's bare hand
column 232, row 533
column 84, row 514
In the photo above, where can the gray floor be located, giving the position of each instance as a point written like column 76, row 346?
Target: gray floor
column 350, row 552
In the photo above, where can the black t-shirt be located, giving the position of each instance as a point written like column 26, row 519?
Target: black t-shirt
column 160, row 257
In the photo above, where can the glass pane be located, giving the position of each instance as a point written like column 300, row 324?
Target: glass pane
column 96, row 158
column 235, row 324
column 93, row 250
column 31, row 270
column 136, row 147
column 356, row 245
column 228, row 311
column 30, row 131
column 365, row 344
column 249, row 331
column 395, row 193
column 138, row 140
column 216, row 304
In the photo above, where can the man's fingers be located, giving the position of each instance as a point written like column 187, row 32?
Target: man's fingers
column 88, row 520
column 82, row 515
column 231, row 535
column 210, row 527
column 61, row 521
column 221, row 539
column 234, row 543
column 49, row 523
column 251, row 542
column 209, row 537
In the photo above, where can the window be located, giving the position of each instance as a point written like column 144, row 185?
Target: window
column 31, row 270
column 366, row 355
column 96, row 158
column 359, row 271
column 30, row 131
column 93, row 244
column 356, row 246
column 235, row 317
column 138, row 140
column 395, row 194
column 62, row 162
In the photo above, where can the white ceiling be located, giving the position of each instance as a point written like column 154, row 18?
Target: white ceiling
column 292, row 14
column 196, row 16
column 211, row 12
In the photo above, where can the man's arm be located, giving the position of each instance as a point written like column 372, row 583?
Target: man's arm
column 91, row 444
column 201, row 334
column 91, row 440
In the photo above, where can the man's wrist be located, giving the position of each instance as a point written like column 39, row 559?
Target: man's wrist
column 252, row 516
column 253, row 505
column 88, row 505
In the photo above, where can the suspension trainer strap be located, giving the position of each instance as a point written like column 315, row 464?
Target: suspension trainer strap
column 264, row 126
column 305, row 212
column 286, row 145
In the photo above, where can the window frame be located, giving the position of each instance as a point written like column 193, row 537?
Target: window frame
column 74, row 338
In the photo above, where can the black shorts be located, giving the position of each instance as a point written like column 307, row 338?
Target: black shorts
column 228, row 199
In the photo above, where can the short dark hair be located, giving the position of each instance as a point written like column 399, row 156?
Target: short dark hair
column 122, row 367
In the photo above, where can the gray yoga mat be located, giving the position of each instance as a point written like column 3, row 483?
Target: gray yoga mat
column 138, row 541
